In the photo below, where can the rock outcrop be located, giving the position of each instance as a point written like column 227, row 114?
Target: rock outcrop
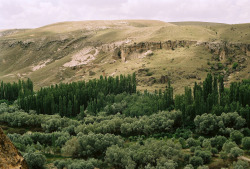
column 10, row 158
column 127, row 51
column 220, row 50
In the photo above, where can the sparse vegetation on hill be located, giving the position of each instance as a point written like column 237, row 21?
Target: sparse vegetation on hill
column 73, row 51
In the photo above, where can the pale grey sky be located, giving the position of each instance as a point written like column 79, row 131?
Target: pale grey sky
column 36, row 13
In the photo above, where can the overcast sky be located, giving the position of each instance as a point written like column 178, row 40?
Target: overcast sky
column 36, row 13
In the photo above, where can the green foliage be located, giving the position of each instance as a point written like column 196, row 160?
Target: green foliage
column 236, row 136
column 211, row 124
column 203, row 167
column 166, row 153
column 227, row 146
column 49, row 123
column 66, row 99
column 235, row 65
column 11, row 92
column 206, row 144
column 214, row 151
column 196, row 161
column 35, row 160
column 192, row 142
column 78, row 164
column 240, row 164
column 218, row 141
column 223, row 155
column 116, row 125
column 205, row 155
column 236, row 152
column 246, row 143
column 189, row 166
column 144, row 125
column 91, row 145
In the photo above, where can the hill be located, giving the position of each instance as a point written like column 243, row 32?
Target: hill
column 157, row 51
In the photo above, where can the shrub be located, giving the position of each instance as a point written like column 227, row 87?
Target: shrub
column 192, row 142
column 236, row 136
column 235, row 65
column 214, row 151
column 246, row 143
column 196, row 161
column 228, row 146
column 205, row 155
column 203, row 167
column 218, row 141
column 189, row 166
column 35, row 160
column 240, row 164
column 236, row 152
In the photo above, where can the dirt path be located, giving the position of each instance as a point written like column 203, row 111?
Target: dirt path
column 244, row 158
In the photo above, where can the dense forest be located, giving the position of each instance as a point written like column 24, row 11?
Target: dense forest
column 107, row 123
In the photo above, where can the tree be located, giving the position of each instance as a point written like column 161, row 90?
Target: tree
column 206, row 124
column 205, row 155
column 246, row 143
column 35, row 160
column 119, row 158
column 189, row 166
column 236, row 136
column 69, row 107
column 72, row 147
column 236, row 152
column 227, row 146
column 196, row 161
column 240, row 164
column 192, row 142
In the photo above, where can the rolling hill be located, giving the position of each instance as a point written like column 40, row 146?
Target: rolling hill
column 182, row 52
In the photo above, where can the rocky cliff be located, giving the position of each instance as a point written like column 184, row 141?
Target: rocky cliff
column 10, row 158
column 220, row 50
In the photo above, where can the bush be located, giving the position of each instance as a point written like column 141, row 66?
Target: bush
column 196, row 161
column 246, row 143
column 214, row 151
column 240, row 164
column 236, row 136
column 192, row 142
column 218, row 142
column 236, row 152
column 206, row 144
column 235, row 65
column 203, row 167
column 35, row 160
column 205, row 155
column 90, row 145
column 183, row 142
column 189, row 166
column 228, row 146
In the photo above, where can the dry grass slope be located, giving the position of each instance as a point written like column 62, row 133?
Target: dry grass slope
column 55, row 45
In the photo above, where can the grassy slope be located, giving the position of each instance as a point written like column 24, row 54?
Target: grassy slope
column 60, row 41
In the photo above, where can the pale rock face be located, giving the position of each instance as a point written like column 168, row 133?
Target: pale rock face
column 10, row 158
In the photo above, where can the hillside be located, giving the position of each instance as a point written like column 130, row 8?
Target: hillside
column 9, row 155
column 157, row 51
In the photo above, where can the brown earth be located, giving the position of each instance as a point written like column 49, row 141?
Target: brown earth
column 10, row 158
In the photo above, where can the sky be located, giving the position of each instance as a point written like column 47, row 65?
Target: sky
column 37, row 13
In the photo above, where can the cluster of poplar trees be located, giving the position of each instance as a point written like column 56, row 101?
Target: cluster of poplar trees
column 67, row 99
column 113, row 95
column 212, row 97
column 11, row 91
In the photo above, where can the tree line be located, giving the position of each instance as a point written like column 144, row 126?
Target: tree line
column 67, row 99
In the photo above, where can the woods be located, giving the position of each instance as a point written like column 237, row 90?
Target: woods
column 107, row 123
